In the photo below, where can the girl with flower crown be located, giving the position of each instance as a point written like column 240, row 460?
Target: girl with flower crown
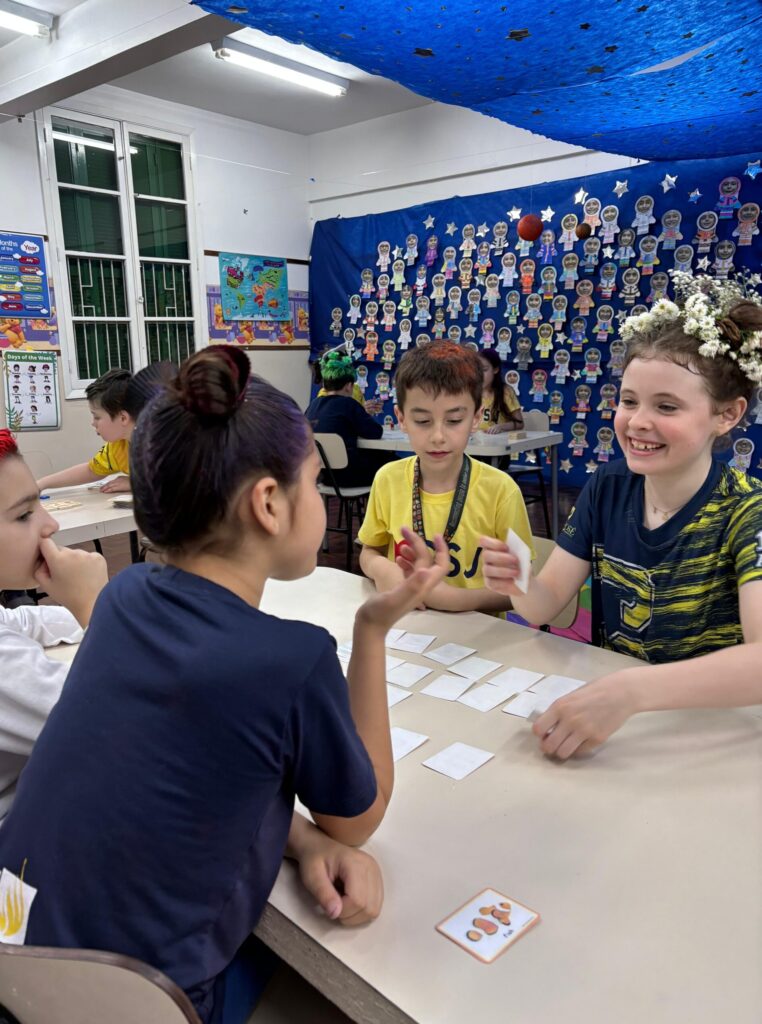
column 672, row 535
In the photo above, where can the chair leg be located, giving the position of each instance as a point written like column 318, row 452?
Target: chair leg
column 97, row 546
column 544, row 502
column 348, row 511
column 324, row 548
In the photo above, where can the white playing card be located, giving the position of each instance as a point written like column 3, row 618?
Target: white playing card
column 485, row 697
column 524, row 555
column 450, row 653
column 516, row 680
column 394, row 634
column 458, row 760
column 523, row 705
column 475, row 668
column 447, row 687
column 394, row 695
column 415, row 643
column 392, row 662
column 488, row 924
column 404, row 741
column 553, row 687
column 407, row 673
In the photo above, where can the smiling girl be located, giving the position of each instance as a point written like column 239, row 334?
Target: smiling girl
column 673, row 536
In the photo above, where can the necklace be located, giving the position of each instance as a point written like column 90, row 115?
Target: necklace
column 665, row 513
column 458, row 500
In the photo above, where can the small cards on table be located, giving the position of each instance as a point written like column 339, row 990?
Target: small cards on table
column 450, row 653
column 542, row 695
column 394, row 695
column 413, row 643
column 404, row 741
column 458, row 760
column 60, row 504
column 474, row 668
column 406, row 674
column 488, row 924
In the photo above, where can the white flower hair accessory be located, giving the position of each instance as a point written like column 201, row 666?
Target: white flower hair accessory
column 703, row 304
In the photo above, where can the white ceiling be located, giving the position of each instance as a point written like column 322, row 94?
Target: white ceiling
column 51, row 6
column 197, row 78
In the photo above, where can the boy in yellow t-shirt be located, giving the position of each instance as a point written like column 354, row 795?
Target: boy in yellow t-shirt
column 107, row 397
column 440, row 489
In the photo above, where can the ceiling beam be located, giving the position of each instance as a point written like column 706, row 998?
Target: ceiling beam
column 97, row 42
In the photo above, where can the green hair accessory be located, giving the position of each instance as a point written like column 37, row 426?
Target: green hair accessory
column 335, row 365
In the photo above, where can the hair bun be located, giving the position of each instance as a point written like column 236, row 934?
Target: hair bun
column 212, row 383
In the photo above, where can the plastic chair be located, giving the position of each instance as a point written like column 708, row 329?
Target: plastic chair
column 333, row 453
column 39, row 985
column 534, row 419
column 565, row 618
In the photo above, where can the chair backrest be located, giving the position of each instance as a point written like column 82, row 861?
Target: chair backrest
column 543, row 547
column 80, row 986
column 334, row 450
column 535, row 419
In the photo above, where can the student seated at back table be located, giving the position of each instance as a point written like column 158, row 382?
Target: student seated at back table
column 106, row 397
column 335, row 411
column 159, row 798
column 440, row 489
column 30, row 682
column 501, row 410
column 672, row 535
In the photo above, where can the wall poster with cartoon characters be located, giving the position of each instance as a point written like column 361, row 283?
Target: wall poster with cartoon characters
column 253, row 287
column 30, row 333
column 31, row 391
column 292, row 332
column 545, row 275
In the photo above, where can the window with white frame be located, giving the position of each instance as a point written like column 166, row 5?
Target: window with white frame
column 122, row 231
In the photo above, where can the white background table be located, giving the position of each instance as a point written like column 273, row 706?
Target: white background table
column 494, row 447
column 93, row 519
column 644, row 860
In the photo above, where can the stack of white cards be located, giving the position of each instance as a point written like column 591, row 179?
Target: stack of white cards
column 541, row 695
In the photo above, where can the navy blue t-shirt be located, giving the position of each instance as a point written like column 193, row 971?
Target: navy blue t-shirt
column 669, row 593
column 341, row 414
column 154, row 811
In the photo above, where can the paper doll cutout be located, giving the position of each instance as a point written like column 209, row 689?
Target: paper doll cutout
column 503, row 347
column 556, row 406
column 548, row 282
column 527, row 269
column 659, row 285
column 630, row 286
column 625, row 251
column 568, row 225
column 389, row 310
column 604, row 326
column 422, row 310
column 533, row 313
column 570, row 271
column 748, row 216
column 559, row 306
column 582, row 401
column 684, row 258
column 706, row 231
column 644, row 215
column 607, row 284
column 487, row 339
column 610, row 224
column 468, row 244
column 584, row 301
column 724, row 252
column 411, row 250
column 523, row 355
column 730, row 189
column 366, row 283
column 499, row 237
column 512, row 301
column 592, row 210
column 593, row 368
column 544, row 340
column 438, row 289
column 607, row 404
column 591, row 252
column 578, row 334
column 466, row 267
column 578, row 441
column 432, row 250
column 508, row 272
column 336, row 318
column 605, row 446
column 539, row 387
column 670, row 229
column 492, row 291
column 474, row 307
column 398, row 274
column 547, row 249
column 483, row 262
column 454, row 306
column 384, row 256
column 449, row 262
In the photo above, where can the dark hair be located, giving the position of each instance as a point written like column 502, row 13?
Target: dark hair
column 145, row 384
column 723, row 378
column 109, row 391
column 439, row 367
column 208, row 432
column 499, row 410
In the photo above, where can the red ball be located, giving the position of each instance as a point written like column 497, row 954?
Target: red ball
column 530, row 227
column 583, row 231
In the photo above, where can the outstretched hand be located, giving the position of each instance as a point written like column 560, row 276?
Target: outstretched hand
column 422, row 569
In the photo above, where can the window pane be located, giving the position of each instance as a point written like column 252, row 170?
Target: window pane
column 97, row 287
column 85, row 154
column 169, row 341
column 166, row 289
column 161, row 230
column 101, row 347
column 157, row 167
column 90, row 222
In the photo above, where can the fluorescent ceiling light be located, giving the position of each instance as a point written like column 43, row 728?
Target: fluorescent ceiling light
column 80, row 140
column 286, row 70
column 20, row 18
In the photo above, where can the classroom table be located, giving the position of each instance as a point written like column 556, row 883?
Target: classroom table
column 643, row 860
column 494, row 447
column 94, row 518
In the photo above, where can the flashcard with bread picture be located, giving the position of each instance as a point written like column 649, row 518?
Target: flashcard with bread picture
column 488, row 924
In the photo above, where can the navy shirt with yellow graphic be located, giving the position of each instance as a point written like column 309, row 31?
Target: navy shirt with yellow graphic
column 669, row 593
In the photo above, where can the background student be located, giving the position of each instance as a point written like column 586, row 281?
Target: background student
column 673, row 536
column 501, row 409
column 335, row 411
column 30, row 682
column 440, row 489
column 158, row 802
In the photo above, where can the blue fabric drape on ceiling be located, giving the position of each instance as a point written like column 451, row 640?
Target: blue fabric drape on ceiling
column 587, row 74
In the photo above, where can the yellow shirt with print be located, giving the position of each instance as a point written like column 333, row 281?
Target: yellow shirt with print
column 493, row 506
column 114, row 457
column 511, row 401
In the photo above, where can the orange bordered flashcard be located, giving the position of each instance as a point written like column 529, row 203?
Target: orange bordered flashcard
column 488, row 924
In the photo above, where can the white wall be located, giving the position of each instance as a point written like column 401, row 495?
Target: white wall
column 434, row 152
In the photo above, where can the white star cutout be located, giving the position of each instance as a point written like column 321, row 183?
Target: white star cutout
column 429, row 223
column 532, row 457
column 668, row 181
column 590, row 467
column 576, row 374
column 703, row 263
column 514, row 213
column 397, row 252
column 621, row 315
column 620, row 188
column 482, row 230
column 608, row 252
column 520, row 329
column 547, row 214
column 565, row 465
column 581, row 196
column 452, row 227
column 560, row 337
column 695, row 195
column 470, row 331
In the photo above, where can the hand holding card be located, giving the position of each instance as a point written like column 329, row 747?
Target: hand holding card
column 506, row 564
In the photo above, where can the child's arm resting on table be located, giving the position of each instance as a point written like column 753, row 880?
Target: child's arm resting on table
column 559, row 580
column 367, row 680
column 730, row 677
column 377, row 567
column 447, row 598
column 346, row 883
column 70, row 477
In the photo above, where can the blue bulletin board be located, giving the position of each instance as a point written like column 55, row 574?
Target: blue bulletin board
column 645, row 221
column 24, row 290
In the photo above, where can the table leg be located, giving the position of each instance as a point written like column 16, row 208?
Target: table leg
column 134, row 546
column 554, row 490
